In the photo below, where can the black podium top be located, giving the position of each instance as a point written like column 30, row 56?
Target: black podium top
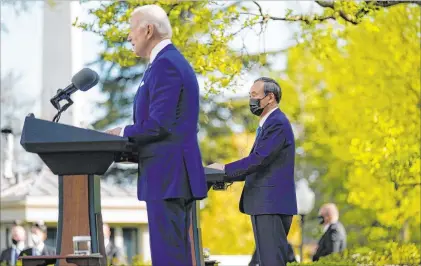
column 69, row 150
column 42, row 136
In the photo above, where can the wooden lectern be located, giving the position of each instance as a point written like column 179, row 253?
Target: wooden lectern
column 79, row 156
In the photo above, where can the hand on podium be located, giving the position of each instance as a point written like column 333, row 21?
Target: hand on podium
column 217, row 166
column 115, row 131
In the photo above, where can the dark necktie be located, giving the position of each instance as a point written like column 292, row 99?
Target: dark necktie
column 148, row 67
column 258, row 130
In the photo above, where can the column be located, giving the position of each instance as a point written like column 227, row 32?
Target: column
column 118, row 237
column 57, row 56
column 145, row 251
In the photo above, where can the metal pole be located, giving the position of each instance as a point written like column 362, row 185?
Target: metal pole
column 302, row 238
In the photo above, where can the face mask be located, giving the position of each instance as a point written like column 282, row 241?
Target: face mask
column 35, row 239
column 18, row 244
column 321, row 219
column 255, row 106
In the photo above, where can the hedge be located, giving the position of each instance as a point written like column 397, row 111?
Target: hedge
column 390, row 253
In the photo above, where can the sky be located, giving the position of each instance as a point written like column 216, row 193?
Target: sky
column 21, row 51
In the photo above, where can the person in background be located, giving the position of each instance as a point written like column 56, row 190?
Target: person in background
column 334, row 238
column 10, row 255
column 38, row 236
column 115, row 255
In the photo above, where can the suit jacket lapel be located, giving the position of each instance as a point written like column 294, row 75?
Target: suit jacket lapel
column 256, row 139
column 325, row 234
column 261, row 130
column 168, row 47
column 142, row 82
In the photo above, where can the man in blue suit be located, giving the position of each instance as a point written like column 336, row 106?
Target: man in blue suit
column 165, row 119
column 269, row 190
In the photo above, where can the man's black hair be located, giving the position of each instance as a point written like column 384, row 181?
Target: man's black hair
column 271, row 86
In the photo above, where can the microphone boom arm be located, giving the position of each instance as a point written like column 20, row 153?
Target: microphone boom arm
column 56, row 104
column 83, row 81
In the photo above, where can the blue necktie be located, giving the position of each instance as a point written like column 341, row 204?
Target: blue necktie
column 148, row 67
column 258, row 130
column 15, row 256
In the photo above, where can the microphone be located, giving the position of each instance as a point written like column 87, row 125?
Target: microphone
column 82, row 80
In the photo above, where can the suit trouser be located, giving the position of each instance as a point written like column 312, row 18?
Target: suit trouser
column 270, row 234
column 169, row 224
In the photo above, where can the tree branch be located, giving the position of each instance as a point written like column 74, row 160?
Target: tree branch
column 260, row 8
column 305, row 19
column 392, row 3
column 325, row 4
column 351, row 18
column 409, row 184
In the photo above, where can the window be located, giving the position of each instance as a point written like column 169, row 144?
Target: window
column 51, row 237
column 131, row 243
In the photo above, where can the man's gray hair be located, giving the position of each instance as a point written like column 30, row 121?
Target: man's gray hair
column 155, row 15
column 332, row 211
column 271, row 86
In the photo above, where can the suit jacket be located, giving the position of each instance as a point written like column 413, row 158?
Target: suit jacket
column 6, row 257
column 46, row 251
column 268, row 170
column 165, row 119
column 332, row 241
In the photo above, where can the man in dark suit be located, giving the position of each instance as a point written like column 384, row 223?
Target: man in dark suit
column 38, row 236
column 165, row 119
column 9, row 256
column 334, row 237
column 269, row 190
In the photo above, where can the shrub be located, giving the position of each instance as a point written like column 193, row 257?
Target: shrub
column 381, row 254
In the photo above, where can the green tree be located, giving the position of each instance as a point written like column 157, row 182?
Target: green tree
column 201, row 31
column 361, row 116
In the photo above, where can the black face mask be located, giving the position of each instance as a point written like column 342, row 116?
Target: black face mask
column 14, row 241
column 255, row 106
column 321, row 219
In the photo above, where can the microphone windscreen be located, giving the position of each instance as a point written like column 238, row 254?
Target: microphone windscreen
column 85, row 79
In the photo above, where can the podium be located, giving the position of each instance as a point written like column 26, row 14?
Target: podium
column 79, row 157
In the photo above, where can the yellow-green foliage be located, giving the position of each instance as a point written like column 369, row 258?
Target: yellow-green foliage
column 382, row 254
column 355, row 88
column 200, row 31
column 361, row 110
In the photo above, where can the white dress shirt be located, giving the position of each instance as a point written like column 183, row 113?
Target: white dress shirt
column 158, row 48
column 155, row 51
column 263, row 119
column 326, row 227
column 37, row 250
